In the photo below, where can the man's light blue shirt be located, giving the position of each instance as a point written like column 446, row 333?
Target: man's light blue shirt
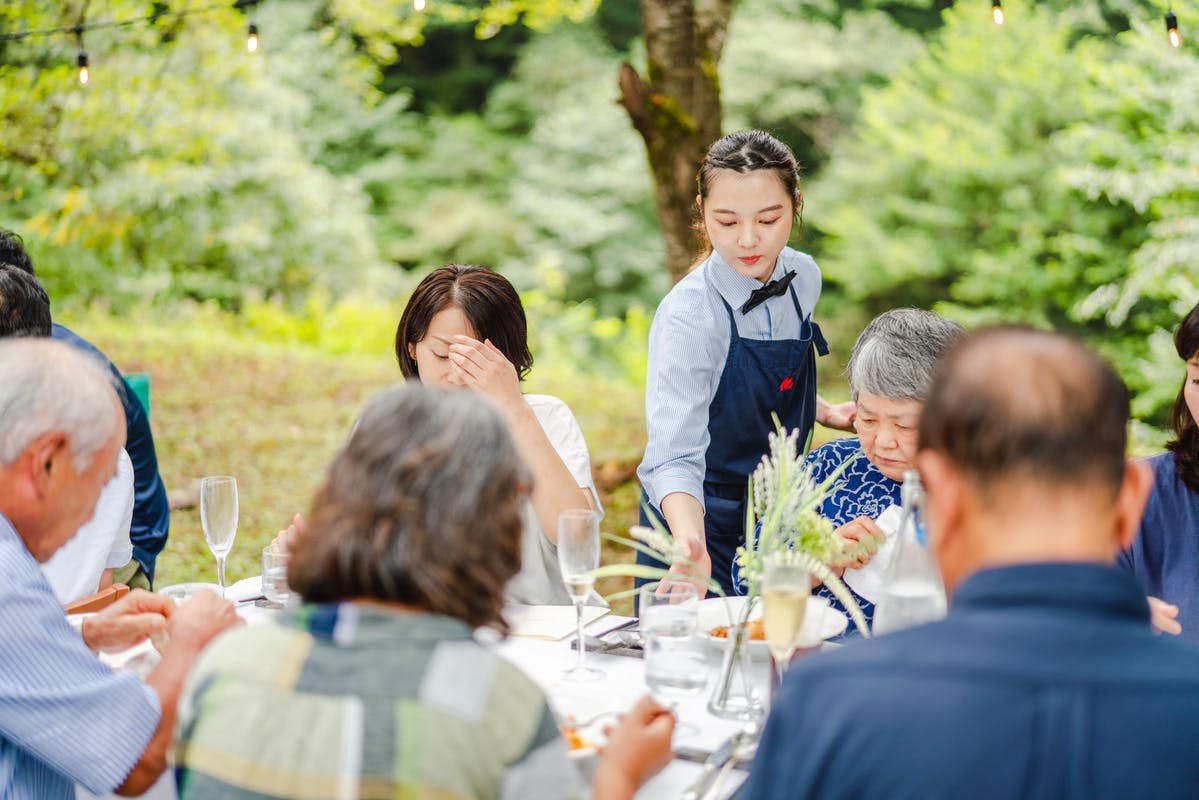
column 65, row 717
column 688, row 345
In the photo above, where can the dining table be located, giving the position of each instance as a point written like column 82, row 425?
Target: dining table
column 591, row 706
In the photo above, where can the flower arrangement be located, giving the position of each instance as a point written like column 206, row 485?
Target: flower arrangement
column 782, row 521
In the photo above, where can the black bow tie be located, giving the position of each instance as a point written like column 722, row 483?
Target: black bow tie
column 773, row 289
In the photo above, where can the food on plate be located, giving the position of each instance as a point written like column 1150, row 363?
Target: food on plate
column 757, row 632
column 574, row 740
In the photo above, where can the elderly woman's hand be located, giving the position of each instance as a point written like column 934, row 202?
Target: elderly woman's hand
column 862, row 537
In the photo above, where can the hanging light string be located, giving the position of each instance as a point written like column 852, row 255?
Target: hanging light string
column 80, row 28
column 996, row 12
column 1172, row 35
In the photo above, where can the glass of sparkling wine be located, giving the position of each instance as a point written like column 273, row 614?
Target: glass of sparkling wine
column 675, row 663
column 785, row 591
column 578, row 555
column 218, row 516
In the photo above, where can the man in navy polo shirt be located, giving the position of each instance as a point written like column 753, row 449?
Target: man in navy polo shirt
column 1045, row 680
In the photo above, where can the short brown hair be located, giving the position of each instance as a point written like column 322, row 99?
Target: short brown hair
column 488, row 300
column 1018, row 403
column 422, row 506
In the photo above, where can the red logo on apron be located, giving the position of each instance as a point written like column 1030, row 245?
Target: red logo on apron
column 787, row 384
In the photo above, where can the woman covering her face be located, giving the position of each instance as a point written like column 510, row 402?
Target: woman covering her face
column 464, row 328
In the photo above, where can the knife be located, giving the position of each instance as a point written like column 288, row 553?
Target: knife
column 719, row 757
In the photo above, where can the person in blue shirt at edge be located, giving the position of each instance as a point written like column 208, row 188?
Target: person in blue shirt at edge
column 889, row 372
column 731, row 344
column 151, row 510
column 1046, row 679
column 1165, row 556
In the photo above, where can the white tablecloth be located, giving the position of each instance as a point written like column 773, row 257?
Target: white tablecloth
column 545, row 662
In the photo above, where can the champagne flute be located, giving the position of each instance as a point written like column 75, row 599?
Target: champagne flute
column 218, row 516
column 785, row 591
column 578, row 555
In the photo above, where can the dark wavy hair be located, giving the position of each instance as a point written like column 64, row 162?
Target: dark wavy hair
column 490, row 304
column 12, row 251
column 744, row 152
column 1186, row 446
column 24, row 305
column 422, row 506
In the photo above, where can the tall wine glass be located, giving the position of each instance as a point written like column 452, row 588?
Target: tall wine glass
column 578, row 555
column 785, row 591
column 218, row 516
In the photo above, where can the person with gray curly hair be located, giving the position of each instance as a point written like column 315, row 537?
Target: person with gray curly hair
column 890, row 371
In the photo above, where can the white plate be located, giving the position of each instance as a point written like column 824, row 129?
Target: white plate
column 180, row 592
column 719, row 611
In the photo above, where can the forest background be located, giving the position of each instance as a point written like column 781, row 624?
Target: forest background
column 245, row 228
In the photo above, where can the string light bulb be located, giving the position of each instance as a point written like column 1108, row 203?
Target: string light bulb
column 996, row 12
column 1172, row 29
column 81, row 57
column 418, row 5
column 252, row 39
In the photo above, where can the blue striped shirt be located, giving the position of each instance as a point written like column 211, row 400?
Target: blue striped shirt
column 65, row 718
column 688, row 345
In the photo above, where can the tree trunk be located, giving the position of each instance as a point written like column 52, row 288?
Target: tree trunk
column 676, row 109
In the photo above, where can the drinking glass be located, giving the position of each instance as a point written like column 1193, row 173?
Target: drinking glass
column 675, row 663
column 785, row 591
column 218, row 516
column 274, row 576
column 578, row 555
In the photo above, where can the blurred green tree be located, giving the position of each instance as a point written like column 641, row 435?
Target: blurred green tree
column 1025, row 174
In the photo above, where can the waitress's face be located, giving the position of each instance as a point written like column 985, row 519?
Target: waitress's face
column 748, row 220
column 887, row 430
column 431, row 353
column 1190, row 391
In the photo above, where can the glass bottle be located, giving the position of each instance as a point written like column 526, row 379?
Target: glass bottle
column 912, row 592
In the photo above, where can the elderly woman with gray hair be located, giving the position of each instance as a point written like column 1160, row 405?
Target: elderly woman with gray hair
column 890, row 370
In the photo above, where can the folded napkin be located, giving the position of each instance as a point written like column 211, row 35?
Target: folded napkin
column 548, row 622
column 870, row 579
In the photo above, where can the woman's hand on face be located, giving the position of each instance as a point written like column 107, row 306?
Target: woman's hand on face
column 838, row 417
column 482, row 367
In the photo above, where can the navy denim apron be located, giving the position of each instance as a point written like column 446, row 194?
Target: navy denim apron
column 759, row 377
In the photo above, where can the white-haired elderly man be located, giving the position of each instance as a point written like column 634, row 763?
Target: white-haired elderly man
column 65, row 718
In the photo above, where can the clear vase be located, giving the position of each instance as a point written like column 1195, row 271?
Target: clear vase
column 735, row 695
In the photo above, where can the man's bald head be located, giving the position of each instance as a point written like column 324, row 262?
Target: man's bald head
column 1017, row 404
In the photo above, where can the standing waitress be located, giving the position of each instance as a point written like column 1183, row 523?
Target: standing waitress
column 732, row 343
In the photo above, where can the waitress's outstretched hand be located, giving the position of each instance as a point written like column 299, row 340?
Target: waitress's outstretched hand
column 698, row 565
column 480, row 366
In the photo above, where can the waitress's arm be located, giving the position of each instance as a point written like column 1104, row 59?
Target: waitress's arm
column 685, row 518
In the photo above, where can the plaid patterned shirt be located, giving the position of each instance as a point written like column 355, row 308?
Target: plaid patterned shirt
column 356, row 701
